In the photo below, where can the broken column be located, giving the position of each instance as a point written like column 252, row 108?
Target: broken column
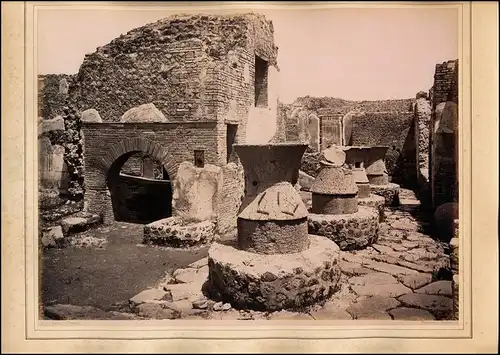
column 355, row 159
column 335, row 210
column 193, row 220
column 275, row 264
column 376, row 172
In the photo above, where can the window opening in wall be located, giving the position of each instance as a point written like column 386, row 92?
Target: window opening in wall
column 357, row 164
column 230, row 138
column 261, row 78
column 199, row 158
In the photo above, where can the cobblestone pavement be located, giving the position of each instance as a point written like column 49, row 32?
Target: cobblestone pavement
column 403, row 276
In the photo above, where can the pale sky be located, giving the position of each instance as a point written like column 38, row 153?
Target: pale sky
column 354, row 54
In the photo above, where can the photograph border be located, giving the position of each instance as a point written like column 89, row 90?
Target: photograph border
column 42, row 330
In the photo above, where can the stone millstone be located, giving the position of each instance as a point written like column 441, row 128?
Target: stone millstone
column 348, row 231
column 374, row 201
column 274, row 282
column 334, row 156
column 175, row 232
column 390, row 192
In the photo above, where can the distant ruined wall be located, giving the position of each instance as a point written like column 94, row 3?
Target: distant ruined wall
column 53, row 92
column 443, row 152
column 392, row 129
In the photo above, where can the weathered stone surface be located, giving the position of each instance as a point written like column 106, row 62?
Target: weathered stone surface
column 331, row 314
column 355, row 269
column 390, row 192
column 54, row 124
column 377, row 284
column 371, row 307
column 404, row 313
column 91, row 116
column 53, row 237
column 444, row 218
column 196, row 190
column 374, row 201
column 152, row 294
column 143, row 113
column 181, row 306
column 79, row 223
column 73, row 312
column 405, row 264
column 391, row 269
column 177, row 292
column 305, row 181
column 415, row 281
column 274, row 282
column 199, row 264
column 198, row 276
column 405, row 224
column 349, row 232
column 156, row 311
column 175, row 232
column 440, row 306
column 442, row 287
column 334, row 155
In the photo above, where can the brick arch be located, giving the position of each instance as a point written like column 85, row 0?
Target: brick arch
column 125, row 148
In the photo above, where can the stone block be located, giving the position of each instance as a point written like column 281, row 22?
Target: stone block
column 152, row 294
column 305, row 181
column 348, row 231
column 177, row 233
column 91, row 116
column 390, row 192
column 54, row 124
column 53, row 237
column 378, row 284
column 143, row 113
column 196, row 192
column 274, row 282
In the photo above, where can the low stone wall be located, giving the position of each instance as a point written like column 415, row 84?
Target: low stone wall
column 140, row 200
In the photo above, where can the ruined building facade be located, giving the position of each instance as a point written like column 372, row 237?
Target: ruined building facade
column 198, row 85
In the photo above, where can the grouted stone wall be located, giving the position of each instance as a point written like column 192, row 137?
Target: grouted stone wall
column 443, row 152
column 392, row 129
column 192, row 68
column 52, row 94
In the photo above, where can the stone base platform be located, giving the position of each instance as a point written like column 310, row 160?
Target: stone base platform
column 350, row 231
column 374, row 201
column 176, row 233
column 274, row 282
column 390, row 192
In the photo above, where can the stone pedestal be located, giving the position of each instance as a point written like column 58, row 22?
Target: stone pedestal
column 389, row 192
column 274, row 264
column 374, row 201
column 355, row 159
column 376, row 170
column 335, row 211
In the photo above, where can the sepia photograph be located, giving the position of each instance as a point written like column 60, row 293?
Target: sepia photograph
column 252, row 164
column 221, row 165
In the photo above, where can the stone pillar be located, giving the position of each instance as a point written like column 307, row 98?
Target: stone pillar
column 271, row 204
column 98, row 201
column 313, row 128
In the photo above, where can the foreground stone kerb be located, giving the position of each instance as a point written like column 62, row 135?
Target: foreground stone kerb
column 274, row 282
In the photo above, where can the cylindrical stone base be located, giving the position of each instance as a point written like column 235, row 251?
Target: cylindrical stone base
column 363, row 190
column 349, row 231
column 274, row 282
column 378, row 179
column 273, row 237
column 374, row 201
column 390, row 192
column 334, row 204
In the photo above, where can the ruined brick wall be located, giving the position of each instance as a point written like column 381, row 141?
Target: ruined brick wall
column 52, row 94
column 341, row 106
column 170, row 143
column 392, row 129
column 192, row 68
column 140, row 200
column 443, row 152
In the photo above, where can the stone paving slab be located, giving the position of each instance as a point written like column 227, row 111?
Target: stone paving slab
column 395, row 278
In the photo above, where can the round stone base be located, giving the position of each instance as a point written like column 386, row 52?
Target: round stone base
column 274, row 282
column 390, row 192
column 350, row 231
column 374, row 201
column 176, row 233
